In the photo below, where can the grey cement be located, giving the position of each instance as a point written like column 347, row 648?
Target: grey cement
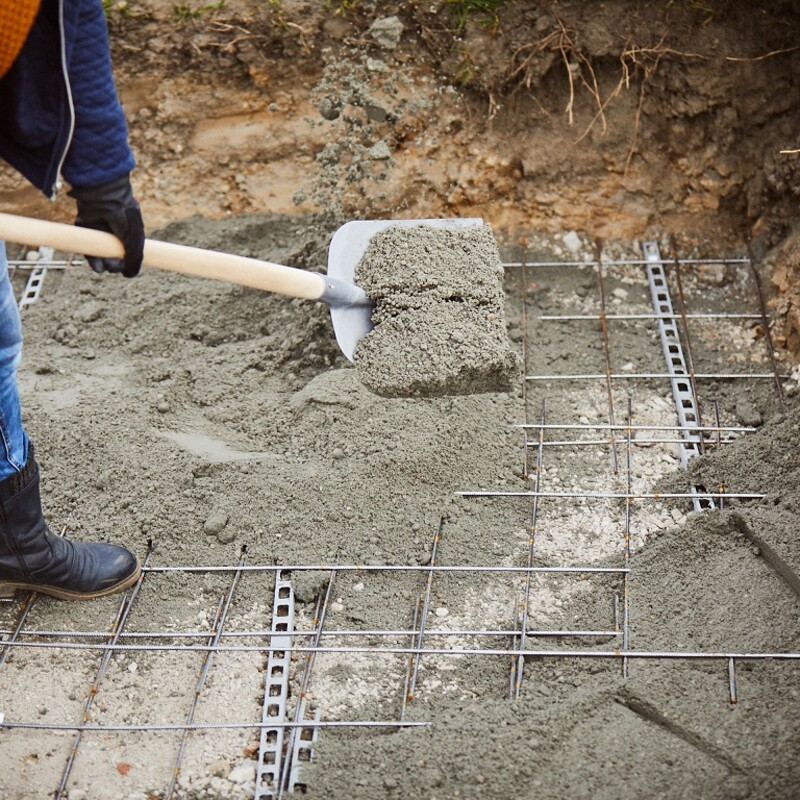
column 333, row 470
column 580, row 730
column 439, row 318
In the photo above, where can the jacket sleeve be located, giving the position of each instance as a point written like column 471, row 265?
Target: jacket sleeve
column 99, row 151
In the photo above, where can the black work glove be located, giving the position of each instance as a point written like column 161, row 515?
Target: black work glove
column 112, row 208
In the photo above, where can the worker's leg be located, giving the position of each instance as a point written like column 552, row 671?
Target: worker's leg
column 31, row 556
column 13, row 441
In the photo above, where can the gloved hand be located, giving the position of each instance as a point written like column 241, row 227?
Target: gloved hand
column 112, row 208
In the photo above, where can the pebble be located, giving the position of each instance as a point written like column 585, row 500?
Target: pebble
column 747, row 413
column 133, row 666
column 226, row 536
column 572, row 241
column 359, row 587
column 376, row 112
column 336, row 607
column 220, row 768
column 162, row 407
column 386, row 31
column 380, row 151
column 215, row 522
column 441, row 611
column 220, row 787
column 88, row 312
column 620, row 294
column 242, row 773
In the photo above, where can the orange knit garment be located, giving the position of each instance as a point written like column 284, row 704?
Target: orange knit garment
column 16, row 19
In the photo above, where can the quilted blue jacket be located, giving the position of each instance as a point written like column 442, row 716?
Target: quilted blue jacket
column 59, row 111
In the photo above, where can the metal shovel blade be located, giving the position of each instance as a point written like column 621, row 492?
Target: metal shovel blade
column 353, row 320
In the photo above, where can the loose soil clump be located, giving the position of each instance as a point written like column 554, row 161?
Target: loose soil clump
column 440, row 325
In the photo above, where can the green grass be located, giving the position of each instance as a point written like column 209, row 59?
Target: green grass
column 185, row 10
column 115, row 7
column 484, row 10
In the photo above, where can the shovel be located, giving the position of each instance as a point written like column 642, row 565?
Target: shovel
column 351, row 309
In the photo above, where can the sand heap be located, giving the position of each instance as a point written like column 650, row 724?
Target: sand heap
column 439, row 321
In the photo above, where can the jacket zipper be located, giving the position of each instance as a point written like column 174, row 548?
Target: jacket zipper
column 62, row 34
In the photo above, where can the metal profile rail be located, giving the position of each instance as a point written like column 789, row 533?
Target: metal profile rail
column 303, row 740
column 684, row 320
column 37, row 269
column 679, row 365
column 33, row 286
column 270, row 766
column 301, row 743
column 680, row 379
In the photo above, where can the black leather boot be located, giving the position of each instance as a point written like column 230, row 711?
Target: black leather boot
column 32, row 557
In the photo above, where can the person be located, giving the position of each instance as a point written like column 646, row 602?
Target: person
column 59, row 116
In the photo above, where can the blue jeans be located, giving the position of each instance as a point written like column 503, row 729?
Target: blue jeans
column 13, row 440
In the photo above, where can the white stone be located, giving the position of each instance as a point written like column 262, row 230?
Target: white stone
column 242, row 773
column 375, row 65
column 220, row 786
column 387, row 32
column 359, row 587
column 441, row 611
column 380, row 151
column 572, row 241
column 622, row 294
column 336, row 607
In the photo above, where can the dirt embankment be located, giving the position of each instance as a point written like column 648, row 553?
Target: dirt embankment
column 784, row 266
column 618, row 119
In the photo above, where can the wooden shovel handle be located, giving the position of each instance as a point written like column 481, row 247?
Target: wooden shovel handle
column 163, row 255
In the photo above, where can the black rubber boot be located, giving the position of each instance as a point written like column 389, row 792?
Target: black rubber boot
column 32, row 557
